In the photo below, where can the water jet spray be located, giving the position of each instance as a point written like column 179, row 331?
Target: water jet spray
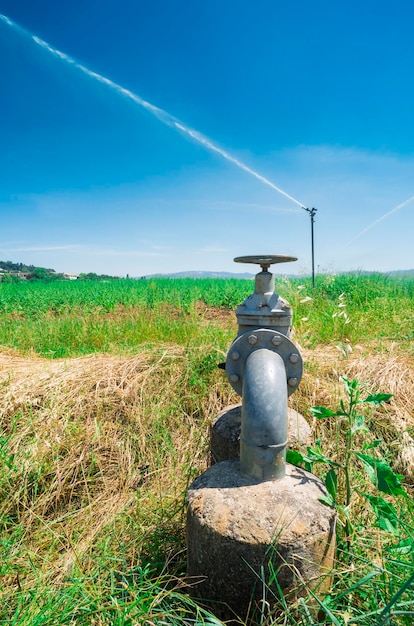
column 164, row 117
column 380, row 219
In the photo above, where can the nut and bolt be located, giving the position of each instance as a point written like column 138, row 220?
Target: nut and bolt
column 234, row 378
column 252, row 340
column 294, row 358
column 235, row 355
column 292, row 382
column 276, row 340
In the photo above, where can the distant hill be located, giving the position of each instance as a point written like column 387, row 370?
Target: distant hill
column 191, row 274
column 246, row 275
column 401, row 274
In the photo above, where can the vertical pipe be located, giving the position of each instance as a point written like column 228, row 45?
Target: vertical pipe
column 264, row 420
column 312, row 213
column 313, row 248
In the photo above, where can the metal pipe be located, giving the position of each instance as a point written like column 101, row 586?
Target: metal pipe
column 312, row 213
column 264, row 422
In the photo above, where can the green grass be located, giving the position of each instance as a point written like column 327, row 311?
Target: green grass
column 33, row 299
column 71, row 319
column 355, row 307
column 77, row 436
column 79, row 333
column 121, row 600
column 75, row 318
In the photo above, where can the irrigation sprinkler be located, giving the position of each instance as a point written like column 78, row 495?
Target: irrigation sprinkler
column 312, row 213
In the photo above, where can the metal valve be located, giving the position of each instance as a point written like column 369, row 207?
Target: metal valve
column 264, row 308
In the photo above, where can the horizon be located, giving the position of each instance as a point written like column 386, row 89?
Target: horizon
column 148, row 139
column 209, row 273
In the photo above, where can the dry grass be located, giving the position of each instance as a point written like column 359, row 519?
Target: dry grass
column 90, row 436
column 91, row 439
column 390, row 371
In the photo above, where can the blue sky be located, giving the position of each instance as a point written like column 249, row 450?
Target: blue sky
column 317, row 98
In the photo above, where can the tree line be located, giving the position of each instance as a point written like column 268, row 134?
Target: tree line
column 15, row 272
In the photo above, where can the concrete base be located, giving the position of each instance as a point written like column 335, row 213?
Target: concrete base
column 225, row 433
column 241, row 532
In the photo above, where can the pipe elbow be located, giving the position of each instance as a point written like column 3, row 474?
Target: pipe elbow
column 263, row 438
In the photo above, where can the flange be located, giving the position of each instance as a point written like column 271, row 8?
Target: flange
column 270, row 340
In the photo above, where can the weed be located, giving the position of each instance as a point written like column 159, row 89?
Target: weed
column 356, row 465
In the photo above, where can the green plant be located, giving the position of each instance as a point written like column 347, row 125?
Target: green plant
column 355, row 451
column 374, row 574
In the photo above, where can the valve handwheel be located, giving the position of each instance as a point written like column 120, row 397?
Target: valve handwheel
column 265, row 260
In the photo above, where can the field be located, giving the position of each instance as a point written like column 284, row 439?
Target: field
column 107, row 393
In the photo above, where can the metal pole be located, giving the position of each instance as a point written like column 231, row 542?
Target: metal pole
column 312, row 213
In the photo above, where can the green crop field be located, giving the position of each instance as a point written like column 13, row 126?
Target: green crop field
column 107, row 393
column 72, row 318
